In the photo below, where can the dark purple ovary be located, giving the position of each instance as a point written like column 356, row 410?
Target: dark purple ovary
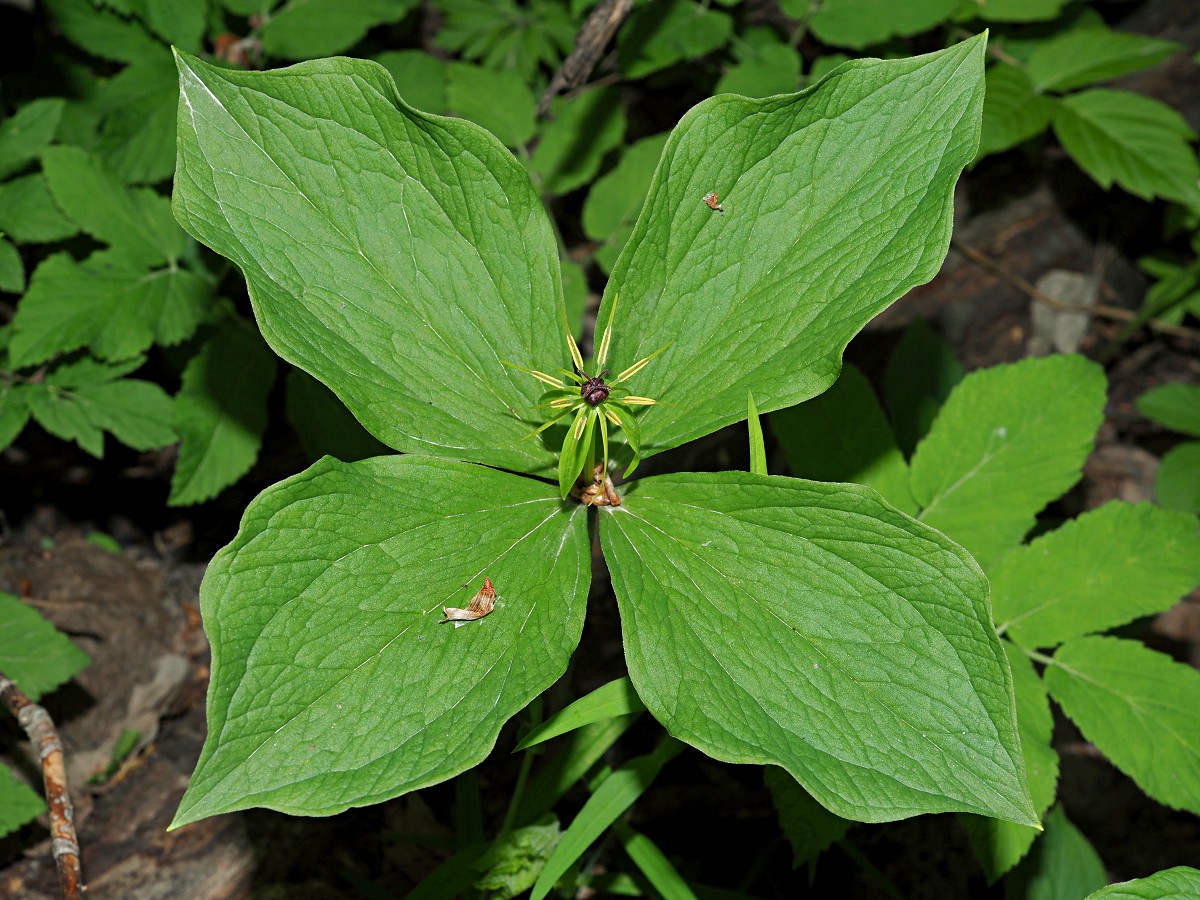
column 594, row 391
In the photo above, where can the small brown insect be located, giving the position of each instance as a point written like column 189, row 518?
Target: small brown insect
column 481, row 604
column 712, row 199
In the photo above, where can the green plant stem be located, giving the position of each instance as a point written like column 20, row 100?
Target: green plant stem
column 535, row 717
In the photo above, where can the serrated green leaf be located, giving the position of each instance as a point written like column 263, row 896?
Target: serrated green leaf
column 33, row 653
column 1169, row 884
column 820, row 233
column 615, row 199
column 1063, row 865
column 772, row 69
column 65, row 418
column 26, row 132
column 379, row 273
column 103, row 33
column 562, row 161
column 108, row 303
column 325, row 426
column 513, row 862
column 1139, row 708
column 28, row 214
column 661, row 34
column 304, row 29
column 615, row 794
column 220, row 414
column 1012, row 111
column 86, row 371
column 1107, row 567
column 420, row 78
column 137, row 134
column 1018, row 10
column 836, row 637
column 1001, row 845
column 12, row 270
column 1131, row 140
column 1086, row 56
column 842, row 435
column 920, row 375
column 137, row 413
column 18, row 803
column 861, row 23
column 178, row 22
column 137, row 223
column 498, row 101
column 1174, row 406
column 14, row 411
column 508, row 36
column 617, row 698
column 1008, row 440
column 809, row 827
column 333, row 685
column 1177, row 484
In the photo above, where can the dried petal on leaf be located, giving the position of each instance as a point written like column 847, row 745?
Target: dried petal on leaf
column 481, row 604
column 713, row 201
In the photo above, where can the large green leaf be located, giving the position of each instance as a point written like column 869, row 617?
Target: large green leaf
column 1103, row 569
column 1138, row 707
column 772, row 620
column 1008, row 440
column 396, row 256
column 333, row 684
column 837, row 200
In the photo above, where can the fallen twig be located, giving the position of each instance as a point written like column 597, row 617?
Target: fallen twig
column 984, row 261
column 40, row 728
column 593, row 37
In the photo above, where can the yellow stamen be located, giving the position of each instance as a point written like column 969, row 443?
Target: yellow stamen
column 575, row 354
column 607, row 339
column 638, row 401
column 563, row 402
column 612, row 416
column 580, row 424
column 641, row 364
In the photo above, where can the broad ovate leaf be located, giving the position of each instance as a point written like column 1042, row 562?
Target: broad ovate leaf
column 815, row 627
column 396, row 256
column 836, row 201
column 333, row 685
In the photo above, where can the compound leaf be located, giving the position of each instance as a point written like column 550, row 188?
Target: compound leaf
column 814, row 627
column 333, row 685
column 33, row 653
column 396, row 256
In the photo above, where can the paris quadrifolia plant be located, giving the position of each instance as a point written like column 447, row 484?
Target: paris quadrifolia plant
column 407, row 262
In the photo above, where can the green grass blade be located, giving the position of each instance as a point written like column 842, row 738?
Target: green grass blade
column 617, row 698
column 758, row 450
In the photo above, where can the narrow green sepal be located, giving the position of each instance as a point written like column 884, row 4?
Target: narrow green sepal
column 574, row 448
column 758, row 450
